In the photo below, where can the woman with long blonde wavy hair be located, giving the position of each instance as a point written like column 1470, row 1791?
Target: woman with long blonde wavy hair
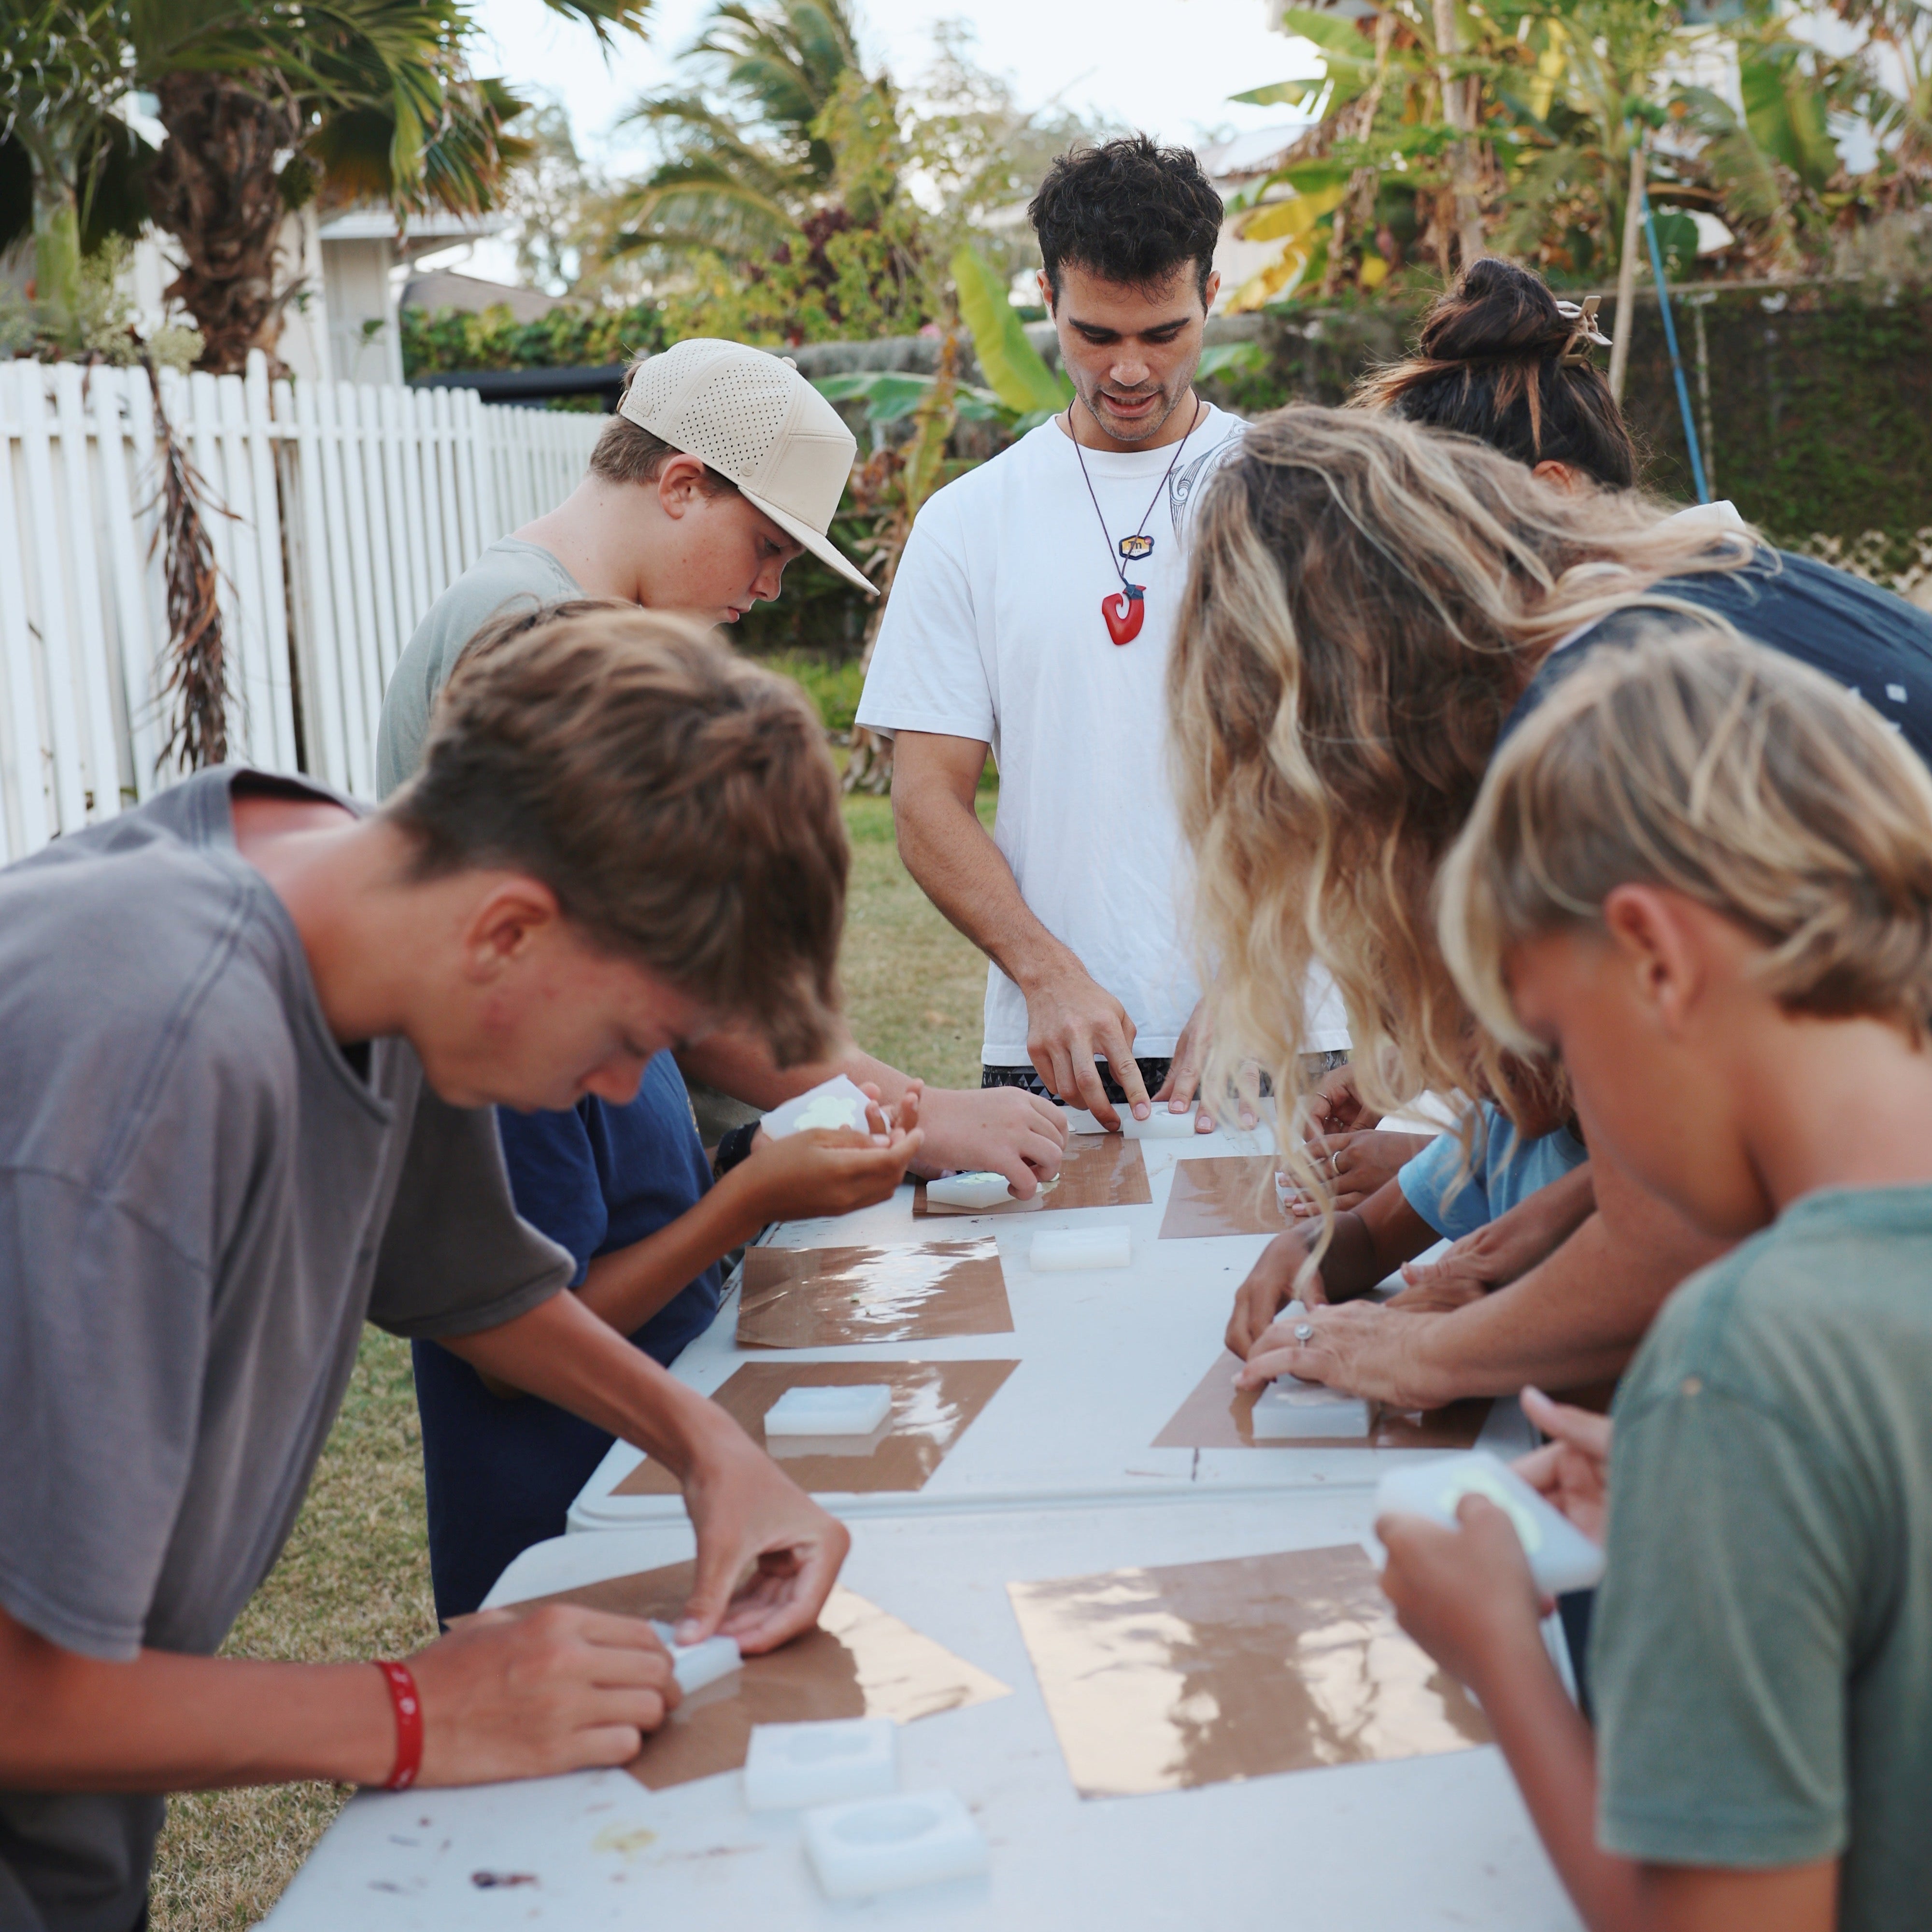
column 1369, row 602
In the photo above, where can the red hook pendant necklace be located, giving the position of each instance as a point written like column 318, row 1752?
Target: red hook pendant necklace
column 1125, row 609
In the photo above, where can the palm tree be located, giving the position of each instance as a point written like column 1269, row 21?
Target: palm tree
column 745, row 160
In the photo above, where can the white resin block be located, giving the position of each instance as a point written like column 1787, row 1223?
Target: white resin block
column 1162, row 1125
column 695, row 1665
column 969, row 1190
column 854, row 1411
column 1560, row 1556
column 880, row 1844
column 1067, row 1248
column 791, row 1765
column 836, row 1102
column 1286, row 1408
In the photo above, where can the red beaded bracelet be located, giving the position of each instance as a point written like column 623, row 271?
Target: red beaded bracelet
column 407, row 1705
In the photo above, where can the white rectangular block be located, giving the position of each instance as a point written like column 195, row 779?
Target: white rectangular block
column 1066, row 1248
column 836, row 1102
column 791, row 1765
column 1286, row 1408
column 1163, row 1125
column 695, row 1665
column 969, row 1190
column 880, row 1844
column 856, row 1410
column 1560, row 1556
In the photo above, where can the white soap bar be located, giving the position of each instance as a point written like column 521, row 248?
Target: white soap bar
column 1161, row 1125
column 854, row 1411
column 695, row 1665
column 969, row 1190
column 1560, row 1556
column 1287, row 1408
column 879, row 1844
column 836, row 1102
column 1066, row 1248
column 789, row 1765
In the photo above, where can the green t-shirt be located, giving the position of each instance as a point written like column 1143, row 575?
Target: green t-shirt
column 509, row 572
column 1762, row 1659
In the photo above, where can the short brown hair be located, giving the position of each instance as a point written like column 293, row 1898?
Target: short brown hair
column 678, row 800
column 624, row 453
column 1718, row 768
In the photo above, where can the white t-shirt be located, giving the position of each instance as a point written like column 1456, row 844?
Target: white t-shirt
column 994, row 631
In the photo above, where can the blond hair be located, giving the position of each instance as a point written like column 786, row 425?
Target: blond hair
column 1367, row 600
column 1716, row 768
column 678, row 800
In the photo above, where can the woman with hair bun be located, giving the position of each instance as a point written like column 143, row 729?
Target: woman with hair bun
column 1501, row 358
column 1369, row 608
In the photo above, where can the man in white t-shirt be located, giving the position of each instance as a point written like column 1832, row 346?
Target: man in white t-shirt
column 1030, row 617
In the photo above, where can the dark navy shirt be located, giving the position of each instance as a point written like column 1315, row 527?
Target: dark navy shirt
column 1876, row 645
column 501, row 1472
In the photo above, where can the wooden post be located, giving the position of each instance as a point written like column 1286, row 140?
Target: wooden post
column 1626, row 322
column 1458, row 110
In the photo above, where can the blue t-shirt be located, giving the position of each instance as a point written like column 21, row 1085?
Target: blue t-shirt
column 501, row 1472
column 1504, row 1170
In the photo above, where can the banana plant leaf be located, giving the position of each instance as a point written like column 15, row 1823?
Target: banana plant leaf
column 1231, row 358
column 891, row 395
column 1010, row 363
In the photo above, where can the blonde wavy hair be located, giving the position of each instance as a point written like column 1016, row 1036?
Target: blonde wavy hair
column 1367, row 600
column 1740, row 778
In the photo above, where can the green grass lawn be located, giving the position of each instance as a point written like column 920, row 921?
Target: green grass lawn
column 354, row 1581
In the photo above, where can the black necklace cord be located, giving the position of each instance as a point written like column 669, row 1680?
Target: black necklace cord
column 1113, row 549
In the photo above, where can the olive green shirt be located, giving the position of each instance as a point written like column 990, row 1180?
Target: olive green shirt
column 510, row 571
column 1761, row 1660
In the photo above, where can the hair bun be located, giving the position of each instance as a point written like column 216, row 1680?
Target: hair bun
column 1496, row 312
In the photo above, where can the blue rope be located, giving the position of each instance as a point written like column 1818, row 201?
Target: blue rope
column 1676, row 361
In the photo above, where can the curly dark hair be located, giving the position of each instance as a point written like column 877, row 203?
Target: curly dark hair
column 1129, row 212
column 1496, row 358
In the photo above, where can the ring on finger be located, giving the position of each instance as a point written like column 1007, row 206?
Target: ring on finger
column 1304, row 1332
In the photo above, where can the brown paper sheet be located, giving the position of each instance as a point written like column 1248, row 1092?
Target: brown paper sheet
column 825, row 1297
column 1203, row 1673
column 860, row 1662
column 934, row 1404
column 1233, row 1194
column 1097, row 1171
column 1218, row 1415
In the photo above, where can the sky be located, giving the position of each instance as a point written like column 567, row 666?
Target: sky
column 1170, row 72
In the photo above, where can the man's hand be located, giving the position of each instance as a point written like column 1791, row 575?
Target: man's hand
column 1183, row 1083
column 994, row 1130
column 1358, row 1348
column 1501, row 1250
column 1268, row 1289
column 1071, row 1019
column 1465, row 1594
column 511, row 1695
column 824, row 1170
column 1572, row 1470
column 1355, row 1165
column 767, row 1555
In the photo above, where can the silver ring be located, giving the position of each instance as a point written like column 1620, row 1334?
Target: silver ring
column 1304, row 1331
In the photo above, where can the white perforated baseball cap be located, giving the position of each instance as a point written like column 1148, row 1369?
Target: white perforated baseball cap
column 753, row 418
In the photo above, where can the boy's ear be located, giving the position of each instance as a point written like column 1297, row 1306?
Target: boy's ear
column 1660, row 946
column 505, row 922
column 680, row 483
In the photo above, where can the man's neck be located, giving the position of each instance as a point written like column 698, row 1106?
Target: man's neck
column 594, row 534
column 1079, row 422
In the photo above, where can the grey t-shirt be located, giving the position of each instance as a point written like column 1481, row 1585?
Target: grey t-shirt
column 202, row 1199
column 509, row 572
column 1762, row 1658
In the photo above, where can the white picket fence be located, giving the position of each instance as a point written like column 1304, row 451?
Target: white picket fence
column 349, row 509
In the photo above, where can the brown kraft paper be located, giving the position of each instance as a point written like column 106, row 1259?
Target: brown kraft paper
column 1218, row 1415
column 860, row 1662
column 1205, row 1673
column 825, row 1298
column 934, row 1404
column 1097, row 1171
column 1232, row 1194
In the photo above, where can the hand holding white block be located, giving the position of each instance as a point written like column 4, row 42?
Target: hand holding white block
column 1561, row 1557
column 836, row 1102
column 1066, row 1248
column 790, row 1765
column 695, row 1665
column 880, row 1844
column 853, row 1410
column 1287, row 1408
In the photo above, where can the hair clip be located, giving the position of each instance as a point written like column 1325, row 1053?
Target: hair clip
column 1586, row 335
